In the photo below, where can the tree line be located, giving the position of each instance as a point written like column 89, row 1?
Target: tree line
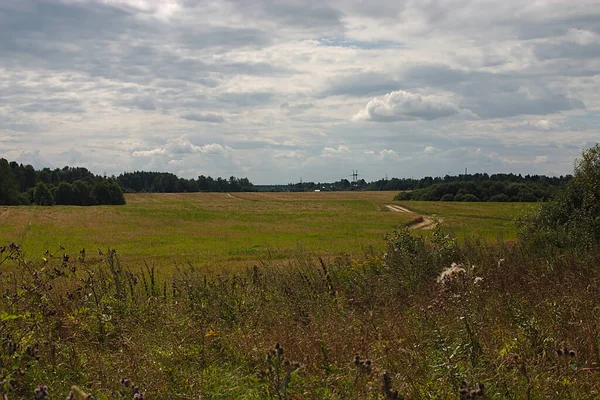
column 469, row 187
column 22, row 185
column 502, row 188
column 166, row 182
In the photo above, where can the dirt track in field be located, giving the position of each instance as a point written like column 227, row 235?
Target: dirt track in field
column 426, row 223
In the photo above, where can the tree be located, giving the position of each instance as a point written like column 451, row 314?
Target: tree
column 102, row 192
column 9, row 188
column 83, row 194
column 116, row 194
column 64, row 194
column 572, row 218
column 42, row 195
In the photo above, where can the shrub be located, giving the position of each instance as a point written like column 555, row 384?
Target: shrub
column 42, row 195
column 500, row 198
column 572, row 219
column 447, row 197
column 402, row 196
column 470, row 197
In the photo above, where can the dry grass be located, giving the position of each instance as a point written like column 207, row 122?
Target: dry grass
column 505, row 319
column 226, row 230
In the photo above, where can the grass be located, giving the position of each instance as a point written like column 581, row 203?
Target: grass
column 489, row 220
column 210, row 229
column 505, row 322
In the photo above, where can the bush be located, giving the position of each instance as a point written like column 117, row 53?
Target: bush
column 470, row 197
column 447, row 197
column 42, row 195
column 572, row 219
column 402, row 196
column 500, row 198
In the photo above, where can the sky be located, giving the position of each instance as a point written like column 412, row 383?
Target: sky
column 283, row 90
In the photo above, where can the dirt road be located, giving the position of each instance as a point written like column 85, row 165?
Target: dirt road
column 426, row 223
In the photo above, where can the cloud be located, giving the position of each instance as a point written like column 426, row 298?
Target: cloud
column 182, row 146
column 272, row 85
column 333, row 152
column 387, row 153
column 430, row 150
column 246, row 99
column 208, row 117
column 295, row 108
column 406, row 106
column 360, row 84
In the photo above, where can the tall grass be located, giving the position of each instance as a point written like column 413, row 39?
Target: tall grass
column 428, row 318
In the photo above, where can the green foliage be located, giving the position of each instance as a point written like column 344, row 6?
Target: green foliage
column 484, row 188
column 572, row 219
column 24, row 185
column 475, row 320
column 42, row 195
column 82, row 192
column 9, row 188
column 165, row 182
column 64, row 194
column 470, row 197
column 446, row 197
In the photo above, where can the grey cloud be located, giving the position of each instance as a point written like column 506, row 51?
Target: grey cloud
column 509, row 105
column 491, row 95
column 587, row 19
column 296, row 108
column 549, row 51
column 141, row 102
column 54, row 106
column 204, row 117
column 246, row 99
column 360, row 84
column 302, row 14
column 224, row 36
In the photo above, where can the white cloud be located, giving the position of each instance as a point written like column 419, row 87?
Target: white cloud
column 182, row 146
column 406, row 106
column 430, row 150
column 545, row 125
column 332, row 152
column 386, row 153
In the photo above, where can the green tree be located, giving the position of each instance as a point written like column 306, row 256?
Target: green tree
column 116, row 193
column 42, row 195
column 83, row 193
column 64, row 194
column 572, row 218
column 102, row 192
column 9, row 187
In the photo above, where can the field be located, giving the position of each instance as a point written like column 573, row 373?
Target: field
column 423, row 317
column 235, row 229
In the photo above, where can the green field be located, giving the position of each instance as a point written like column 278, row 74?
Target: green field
column 236, row 229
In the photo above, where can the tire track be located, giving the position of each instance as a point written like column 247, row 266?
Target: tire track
column 425, row 223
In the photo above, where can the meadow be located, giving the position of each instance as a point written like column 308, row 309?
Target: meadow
column 320, row 304
column 220, row 229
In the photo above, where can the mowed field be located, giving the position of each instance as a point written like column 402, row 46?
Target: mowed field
column 218, row 229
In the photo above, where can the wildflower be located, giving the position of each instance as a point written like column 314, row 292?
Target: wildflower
column 388, row 391
column 41, row 393
column 210, row 333
column 365, row 365
column 450, row 273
